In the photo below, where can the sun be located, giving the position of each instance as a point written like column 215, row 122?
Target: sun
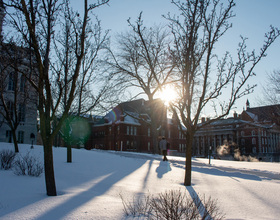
column 168, row 95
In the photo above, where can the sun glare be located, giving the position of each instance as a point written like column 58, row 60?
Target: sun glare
column 168, row 94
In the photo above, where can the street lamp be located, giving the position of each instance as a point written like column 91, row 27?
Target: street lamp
column 32, row 138
column 210, row 153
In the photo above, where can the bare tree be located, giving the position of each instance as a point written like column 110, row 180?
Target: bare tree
column 143, row 63
column 36, row 22
column 271, row 90
column 16, row 94
column 196, row 32
column 88, row 83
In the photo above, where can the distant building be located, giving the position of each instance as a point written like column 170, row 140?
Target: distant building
column 127, row 128
column 16, row 91
column 255, row 132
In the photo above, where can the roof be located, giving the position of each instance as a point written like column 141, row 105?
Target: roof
column 265, row 113
column 252, row 116
column 132, row 112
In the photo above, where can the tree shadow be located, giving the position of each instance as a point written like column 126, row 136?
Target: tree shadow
column 163, row 168
column 197, row 200
column 147, row 174
column 98, row 181
column 224, row 171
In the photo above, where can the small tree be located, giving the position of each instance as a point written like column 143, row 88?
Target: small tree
column 202, row 23
column 85, row 98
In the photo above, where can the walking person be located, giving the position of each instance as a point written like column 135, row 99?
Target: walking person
column 163, row 147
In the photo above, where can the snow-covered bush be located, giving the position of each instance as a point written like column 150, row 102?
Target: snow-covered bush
column 173, row 205
column 137, row 208
column 28, row 165
column 6, row 159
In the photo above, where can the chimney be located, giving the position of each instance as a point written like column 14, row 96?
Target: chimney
column 235, row 115
column 203, row 119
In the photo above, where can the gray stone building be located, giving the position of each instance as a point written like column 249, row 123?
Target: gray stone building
column 18, row 100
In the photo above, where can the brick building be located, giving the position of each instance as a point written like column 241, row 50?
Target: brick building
column 127, row 128
column 255, row 132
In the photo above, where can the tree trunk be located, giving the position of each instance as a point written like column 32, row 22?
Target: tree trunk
column 188, row 168
column 49, row 170
column 15, row 140
column 69, row 154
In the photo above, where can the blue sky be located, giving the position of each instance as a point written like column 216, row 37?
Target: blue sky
column 253, row 18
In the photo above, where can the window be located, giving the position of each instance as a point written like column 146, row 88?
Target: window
column 131, row 130
column 135, row 131
column 253, row 133
column 9, row 136
column 149, row 132
column 254, row 150
column 254, row 141
column 127, row 130
column 242, row 141
column 149, row 146
column 118, row 129
column 11, row 85
column 10, row 106
column 21, row 112
column 242, row 133
column 21, row 137
column 181, row 135
column 22, row 83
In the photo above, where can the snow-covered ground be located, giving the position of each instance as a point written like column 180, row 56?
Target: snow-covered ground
column 90, row 187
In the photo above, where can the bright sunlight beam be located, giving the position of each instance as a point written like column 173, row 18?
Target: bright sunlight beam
column 168, row 95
